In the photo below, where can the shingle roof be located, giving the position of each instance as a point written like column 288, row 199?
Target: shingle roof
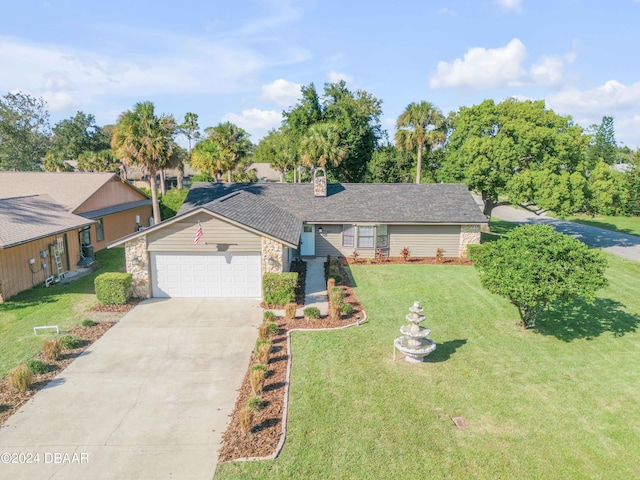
column 23, row 219
column 115, row 209
column 256, row 213
column 354, row 202
column 68, row 189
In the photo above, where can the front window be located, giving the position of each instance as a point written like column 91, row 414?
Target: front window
column 382, row 237
column 365, row 237
column 347, row 235
column 99, row 230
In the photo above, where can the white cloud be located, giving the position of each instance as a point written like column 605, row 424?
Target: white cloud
column 483, row 68
column 335, row 77
column 70, row 76
column 282, row 91
column 256, row 122
column 611, row 99
column 511, row 5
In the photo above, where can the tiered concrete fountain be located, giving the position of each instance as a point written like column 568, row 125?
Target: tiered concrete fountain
column 414, row 343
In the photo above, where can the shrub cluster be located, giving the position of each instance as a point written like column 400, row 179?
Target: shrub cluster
column 312, row 313
column 279, row 288
column 52, row 349
column 37, row 367
column 69, row 342
column 113, row 288
column 88, row 323
column 20, row 378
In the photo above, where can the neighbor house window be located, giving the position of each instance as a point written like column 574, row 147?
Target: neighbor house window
column 347, row 235
column 382, row 237
column 99, row 230
column 366, row 237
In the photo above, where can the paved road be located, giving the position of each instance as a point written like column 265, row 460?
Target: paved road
column 621, row 244
column 148, row 400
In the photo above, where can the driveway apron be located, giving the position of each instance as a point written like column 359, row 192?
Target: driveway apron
column 150, row 399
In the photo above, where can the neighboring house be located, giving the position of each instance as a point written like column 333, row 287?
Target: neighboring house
column 265, row 173
column 44, row 215
column 249, row 229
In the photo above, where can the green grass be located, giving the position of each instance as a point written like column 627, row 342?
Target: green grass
column 62, row 305
column 629, row 225
column 557, row 403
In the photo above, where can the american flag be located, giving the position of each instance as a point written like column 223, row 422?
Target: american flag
column 198, row 234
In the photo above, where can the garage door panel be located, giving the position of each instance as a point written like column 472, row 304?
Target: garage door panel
column 206, row 275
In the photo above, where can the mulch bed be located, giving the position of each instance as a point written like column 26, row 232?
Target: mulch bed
column 11, row 400
column 265, row 434
column 410, row 261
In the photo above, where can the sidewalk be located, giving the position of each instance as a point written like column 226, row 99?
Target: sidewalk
column 315, row 289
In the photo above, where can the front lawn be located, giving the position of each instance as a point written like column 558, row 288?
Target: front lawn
column 62, row 305
column 557, row 403
column 629, row 225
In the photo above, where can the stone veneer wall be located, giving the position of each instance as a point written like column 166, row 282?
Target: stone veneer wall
column 469, row 234
column 272, row 256
column 137, row 260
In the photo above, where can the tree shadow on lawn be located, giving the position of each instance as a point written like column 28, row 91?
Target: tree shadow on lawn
column 580, row 319
column 444, row 350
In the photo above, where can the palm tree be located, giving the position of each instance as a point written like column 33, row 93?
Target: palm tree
column 322, row 145
column 234, row 143
column 142, row 139
column 420, row 124
column 207, row 156
column 189, row 129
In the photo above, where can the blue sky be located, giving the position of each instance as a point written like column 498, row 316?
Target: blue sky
column 245, row 61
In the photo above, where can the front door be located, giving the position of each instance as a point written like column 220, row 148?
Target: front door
column 308, row 241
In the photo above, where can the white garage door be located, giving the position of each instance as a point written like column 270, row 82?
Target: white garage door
column 206, row 275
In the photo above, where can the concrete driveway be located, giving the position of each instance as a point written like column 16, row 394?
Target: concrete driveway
column 150, row 399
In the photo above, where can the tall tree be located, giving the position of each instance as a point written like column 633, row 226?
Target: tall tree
column 390, row 165
column 274, row 149
column 356, row 117
column 190, row 129
column 24, row 132
column 490, row 145
column 234, row 144
column 603, row 142
column 145, row 140
column 421, row 124
column 74, row 136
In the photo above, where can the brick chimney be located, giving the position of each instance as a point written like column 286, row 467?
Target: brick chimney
column 320, row 182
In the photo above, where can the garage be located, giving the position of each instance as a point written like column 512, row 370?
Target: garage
column 231, row 275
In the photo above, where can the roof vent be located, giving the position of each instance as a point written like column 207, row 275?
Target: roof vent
column 320, row 182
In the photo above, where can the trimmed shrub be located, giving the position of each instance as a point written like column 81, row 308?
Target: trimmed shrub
column 113, row 288
column 331, row 282
column 263, row 331
column 246, row 420
column 20, row 378
column 262, row 341
column 334, row 311
column 346, row 309
column 257, row 377
column 336, row 277
column 264, row 351
column 69, row 342
column 52, row 349
column 88, row 323
column 336, row 295
column 473, row 249
column 269, row 316
column 312, row 313
column 272, row 328
column 279, row 288
column 37, row 367
column 254, row 403
column 290, row 310
column 440, row 255
column 259, row 366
